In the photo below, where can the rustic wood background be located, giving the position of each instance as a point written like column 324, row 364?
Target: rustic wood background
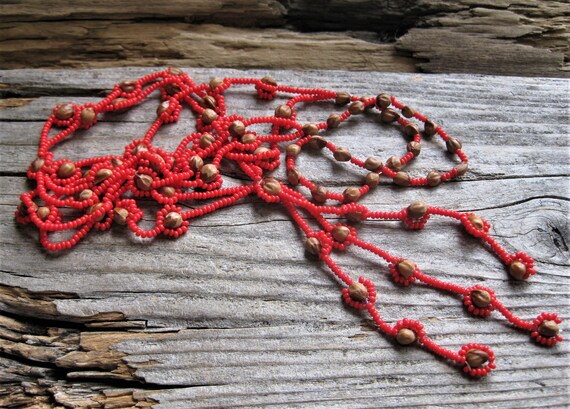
column 234, row 315
column 506, row 37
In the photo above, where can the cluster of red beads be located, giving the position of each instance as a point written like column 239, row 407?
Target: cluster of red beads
column 105, row 190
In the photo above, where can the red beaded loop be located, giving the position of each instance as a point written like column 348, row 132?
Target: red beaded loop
column 471, row 303
column 543, row 339
column 477, row 371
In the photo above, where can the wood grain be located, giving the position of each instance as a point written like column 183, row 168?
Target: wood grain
column 233, row 314
column 503, row 37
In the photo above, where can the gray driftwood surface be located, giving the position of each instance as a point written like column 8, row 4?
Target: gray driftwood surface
column 233, row 314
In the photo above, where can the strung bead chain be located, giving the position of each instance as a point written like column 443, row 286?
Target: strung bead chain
column 104, row 190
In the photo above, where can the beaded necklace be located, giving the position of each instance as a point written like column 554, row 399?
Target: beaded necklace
column 105, row 189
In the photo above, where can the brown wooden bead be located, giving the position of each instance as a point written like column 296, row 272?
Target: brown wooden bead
column 417, row 210
column 66, row 170
column 405, row 336
column 340, row 233
column 411, row 130
column 310, row 129
column 209, row 172
column 173, row 220
column 342, row 98
column 414, row 147
column 120, row 215
column 480, row 298
column 548, row 328
column 313, row 246
column 293, row 150
column 453, row 144
column 93, row 209
column 394, row 163
column 37, row 164
column 342, row 154
column 206, row 140
column 405, row 267
column 355, row 108
column 389, row 115
column 162, row 108
column 283, row 111
column 102, row 175
column 143, row 181
column 128, row 86
column 196, row 163
column 433, row 178
column 236, row 129
column 87, row 116
column 248, row 138
column 461, row 168
column 269, row 81
column 517, row 270
column 43, row 212
column 319, row 194
column 65, row 111
column 476, row 221
column 85, row 194
column 167, row 191
column 141, row 147
column 408, row 112
column 351, row 194
column 333, row 121
column 293, row 176
column 317, row 142
column 476, row 358
column 383, row 100
column 402, row 179
column 209, row 102
column 372, row 163
column 372, row 179
column 355, row 217
column 215, row 83
column 172, row 88
column 208, row 116
column 271, row 186
column 358, row 291
column 430, row 127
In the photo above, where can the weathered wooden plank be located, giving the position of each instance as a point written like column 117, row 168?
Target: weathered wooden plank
column 115, row 43
column 499, row 37
column 235, row 309
column 233, row 13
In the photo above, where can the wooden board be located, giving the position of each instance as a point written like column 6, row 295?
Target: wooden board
column 506, row 37
column 234, row 314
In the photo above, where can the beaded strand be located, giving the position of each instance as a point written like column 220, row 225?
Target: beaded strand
column 104, row 190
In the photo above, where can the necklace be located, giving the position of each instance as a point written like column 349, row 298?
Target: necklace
column 104, row 190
